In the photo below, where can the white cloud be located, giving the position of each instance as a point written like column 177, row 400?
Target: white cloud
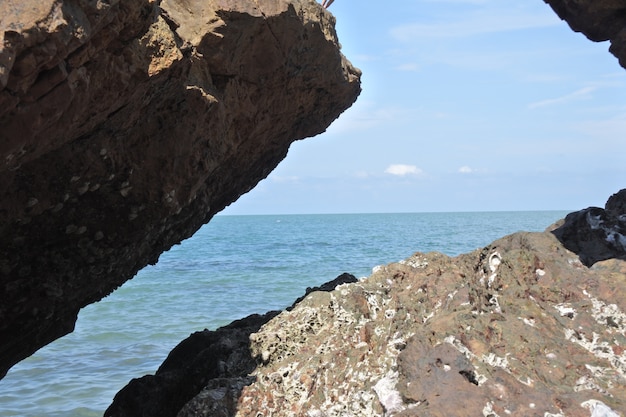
column 466, row 170
column 402, row 170
column 578, row 94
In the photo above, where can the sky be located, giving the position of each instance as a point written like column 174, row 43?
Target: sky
column 467, row 105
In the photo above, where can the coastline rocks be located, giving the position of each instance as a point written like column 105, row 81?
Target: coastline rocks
column 126, row 125
column 596, row 234
column 521, row 327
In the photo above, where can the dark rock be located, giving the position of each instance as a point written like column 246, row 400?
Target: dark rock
column 344, row 278
column 616, row 205
column 596, row 234
column 126, row 125
column 599, row 20
column 218, row 361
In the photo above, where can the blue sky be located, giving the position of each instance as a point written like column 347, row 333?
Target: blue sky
column 467, row 105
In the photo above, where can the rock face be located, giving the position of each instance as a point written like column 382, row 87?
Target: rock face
column 521, row 327
column 126, row 125
column 599, row 20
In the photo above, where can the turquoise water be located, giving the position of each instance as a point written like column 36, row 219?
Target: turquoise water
column 233, row 267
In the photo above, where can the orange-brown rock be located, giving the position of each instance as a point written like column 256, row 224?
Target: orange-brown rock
column 126, row 125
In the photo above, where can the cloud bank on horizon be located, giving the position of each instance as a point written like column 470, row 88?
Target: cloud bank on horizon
column 467, row 105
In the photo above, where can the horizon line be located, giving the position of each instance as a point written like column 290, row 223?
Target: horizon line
column 221, row 213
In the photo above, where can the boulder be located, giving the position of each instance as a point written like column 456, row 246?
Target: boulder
column 126, row 125
column 596, row 234
column 520, row 327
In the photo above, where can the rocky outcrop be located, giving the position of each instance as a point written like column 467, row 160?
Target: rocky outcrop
column 126, row 125
column 596, row 234
column 599, row 20
column 218, row 363
column 521, row 327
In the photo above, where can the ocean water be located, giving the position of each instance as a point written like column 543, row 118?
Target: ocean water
column 232, row 267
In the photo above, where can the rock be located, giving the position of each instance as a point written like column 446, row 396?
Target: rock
column 212, row 366
column 521, row 327
column 596, row 234
column 344, row 278
column 599, row 20
column 126, row 125
column 217, row 361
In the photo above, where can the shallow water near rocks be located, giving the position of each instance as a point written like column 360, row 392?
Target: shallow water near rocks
column 232, row 267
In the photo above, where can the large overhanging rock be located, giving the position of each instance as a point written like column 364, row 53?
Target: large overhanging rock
column 126, row 125
column 599, row 20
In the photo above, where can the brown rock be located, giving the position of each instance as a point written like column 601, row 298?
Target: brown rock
column 521, row 327
column 518, row 328
column 126, row 125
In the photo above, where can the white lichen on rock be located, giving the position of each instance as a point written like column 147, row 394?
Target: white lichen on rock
column 599, row 409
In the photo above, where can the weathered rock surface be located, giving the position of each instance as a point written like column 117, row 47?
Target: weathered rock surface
column 599, row 20
column 126, row 125
column 218, row 363
column 521, row 327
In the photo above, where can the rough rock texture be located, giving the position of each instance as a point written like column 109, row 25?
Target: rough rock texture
column 597, row 234
column 126, row 125
column 599, row 20
column 518, row 328
column 521, row 327
column 217, row 362
column 218, row 358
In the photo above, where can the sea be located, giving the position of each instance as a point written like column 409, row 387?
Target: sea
column 232, row 267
